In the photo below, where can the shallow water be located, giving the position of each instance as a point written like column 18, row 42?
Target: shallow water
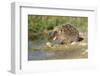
column 36, row 51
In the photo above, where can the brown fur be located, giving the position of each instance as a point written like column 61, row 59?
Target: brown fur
column 67, row 33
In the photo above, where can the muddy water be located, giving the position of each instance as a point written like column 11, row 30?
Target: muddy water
column 36, row 51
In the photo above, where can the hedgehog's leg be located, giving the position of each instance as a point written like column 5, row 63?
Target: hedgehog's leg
column 62, row 42
column 80, row 39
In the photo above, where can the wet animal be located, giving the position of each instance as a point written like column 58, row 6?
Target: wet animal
column 66, row 33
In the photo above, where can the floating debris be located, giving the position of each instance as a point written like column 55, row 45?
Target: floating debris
column 49, row 44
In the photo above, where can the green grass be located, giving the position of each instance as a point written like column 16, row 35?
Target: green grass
column 37, row 25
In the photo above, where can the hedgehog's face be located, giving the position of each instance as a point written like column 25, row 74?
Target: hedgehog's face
column 56, row 34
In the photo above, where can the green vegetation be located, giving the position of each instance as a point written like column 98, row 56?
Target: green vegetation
column 38, row 26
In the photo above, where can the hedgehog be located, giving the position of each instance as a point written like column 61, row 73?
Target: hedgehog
column 66, row 33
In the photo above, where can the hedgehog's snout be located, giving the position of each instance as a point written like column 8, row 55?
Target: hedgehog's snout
column 54, row 35
column 55, row 38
